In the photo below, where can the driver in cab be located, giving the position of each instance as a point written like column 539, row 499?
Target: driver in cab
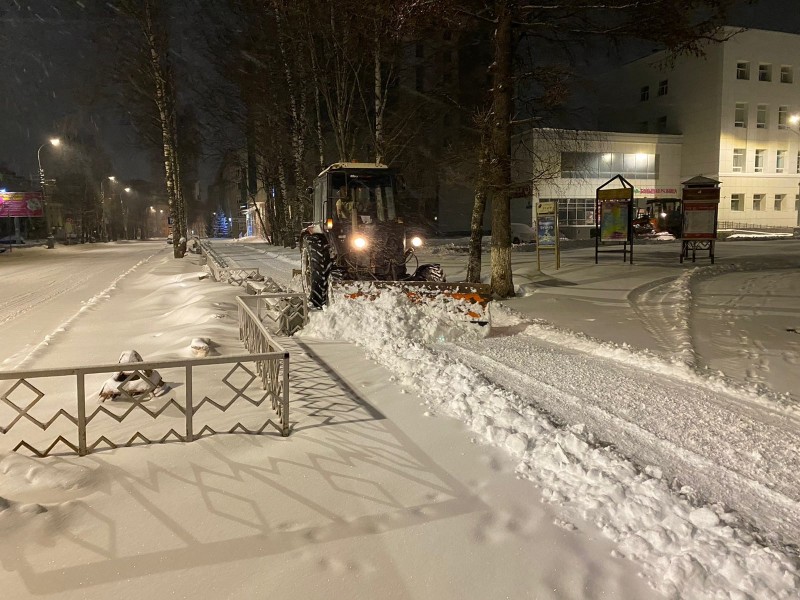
column 344, row 205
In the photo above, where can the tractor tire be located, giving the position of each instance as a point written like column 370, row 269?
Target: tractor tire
column 430, row 273
column 315, row 261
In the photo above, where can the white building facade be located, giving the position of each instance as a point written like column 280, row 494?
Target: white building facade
column 733, row 108
column 650, row 162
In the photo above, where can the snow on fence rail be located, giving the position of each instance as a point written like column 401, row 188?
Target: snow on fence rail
column 39, row 409
column 283, row 312
column 220, row 270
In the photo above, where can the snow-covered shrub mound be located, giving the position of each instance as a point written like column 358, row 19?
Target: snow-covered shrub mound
column 133, row 382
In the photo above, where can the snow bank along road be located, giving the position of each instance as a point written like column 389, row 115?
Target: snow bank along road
column 697, row 440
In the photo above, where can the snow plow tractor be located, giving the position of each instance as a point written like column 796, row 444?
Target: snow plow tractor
column 358, row 246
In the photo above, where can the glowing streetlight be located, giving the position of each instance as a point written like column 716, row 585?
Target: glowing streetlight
column 55, row 142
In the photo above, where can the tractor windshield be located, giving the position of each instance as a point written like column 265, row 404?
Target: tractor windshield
column 372, row 196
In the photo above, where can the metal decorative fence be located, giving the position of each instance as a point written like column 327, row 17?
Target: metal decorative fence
column 284, row 313
column 755, row 227
column 89, row 428
column 225, row 274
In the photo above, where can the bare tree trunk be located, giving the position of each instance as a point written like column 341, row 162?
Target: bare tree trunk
column 165, row 103
column 297, row 203
column 318, row 112
column 284, row 211
column 500, row 153
column 479, row 205
column 379, row 104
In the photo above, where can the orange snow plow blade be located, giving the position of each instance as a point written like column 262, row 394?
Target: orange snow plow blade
column 470, row 300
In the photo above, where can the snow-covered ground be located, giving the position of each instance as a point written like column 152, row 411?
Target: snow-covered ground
column 618, row 420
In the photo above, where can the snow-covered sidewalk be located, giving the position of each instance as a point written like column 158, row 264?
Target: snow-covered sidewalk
column 373, row 496
column 368, row 498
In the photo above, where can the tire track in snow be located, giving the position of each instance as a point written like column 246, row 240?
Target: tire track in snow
column 21, row 304
column 684, row 450
column 663, row 307
column 93, row 301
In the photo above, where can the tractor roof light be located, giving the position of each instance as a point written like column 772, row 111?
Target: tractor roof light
column 359, row 242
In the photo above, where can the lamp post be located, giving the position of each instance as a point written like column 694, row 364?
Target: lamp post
column 112, row 179
column 124, row 210
column 55, row 142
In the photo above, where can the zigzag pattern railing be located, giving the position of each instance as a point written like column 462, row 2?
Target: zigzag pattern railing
column 271, row 371
column 223, row 273
column 284, row 313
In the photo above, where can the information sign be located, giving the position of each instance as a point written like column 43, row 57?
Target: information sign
column 614, row 217
column 21, row 204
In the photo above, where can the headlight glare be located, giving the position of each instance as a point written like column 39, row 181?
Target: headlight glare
column 416, row 241
column 359, row 242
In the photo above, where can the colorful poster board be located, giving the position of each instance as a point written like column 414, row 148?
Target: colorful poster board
column 21, row 204
column 614, row 212
column 546, row 225
column 547, row 235
column 614, row 220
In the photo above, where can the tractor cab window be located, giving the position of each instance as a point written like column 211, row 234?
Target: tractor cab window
column 372, row 197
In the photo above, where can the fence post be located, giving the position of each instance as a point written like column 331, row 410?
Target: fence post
column 189, row 405
column 285, row 399
column 81, row 414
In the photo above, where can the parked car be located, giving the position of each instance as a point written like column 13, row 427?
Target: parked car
column 522, row 234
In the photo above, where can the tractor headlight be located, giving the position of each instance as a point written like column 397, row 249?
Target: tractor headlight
column 416, row 241
column 359, row 242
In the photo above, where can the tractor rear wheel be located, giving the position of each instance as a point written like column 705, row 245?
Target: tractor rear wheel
column 315, row 261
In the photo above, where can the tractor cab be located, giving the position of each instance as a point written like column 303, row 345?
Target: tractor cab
column 358, row 238
column 348, row 195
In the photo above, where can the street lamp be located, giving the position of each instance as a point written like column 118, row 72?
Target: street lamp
column 55, row 142
column 127, row 190
column 112, row 179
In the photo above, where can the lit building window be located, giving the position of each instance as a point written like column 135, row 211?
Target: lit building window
column 761, row 116
column 783, row 112
column 579, row 165
column 742, row 70
column 740, row 115
column 759, row 165
column 738, row 160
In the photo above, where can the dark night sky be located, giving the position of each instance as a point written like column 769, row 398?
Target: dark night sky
column 46, row 58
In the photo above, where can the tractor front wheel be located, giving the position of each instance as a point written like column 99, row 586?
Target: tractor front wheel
column 432, row 273
column 315, row 261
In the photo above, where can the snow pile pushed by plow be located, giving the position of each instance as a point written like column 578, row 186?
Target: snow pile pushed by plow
column 686, row 549
column 394, row 313
column 456, row 302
